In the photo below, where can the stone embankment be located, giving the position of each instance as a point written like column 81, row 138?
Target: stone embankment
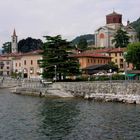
column 125, row 92
column 119, row 92
column 111, row 92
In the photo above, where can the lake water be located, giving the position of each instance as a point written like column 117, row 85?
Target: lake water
column 34, row 118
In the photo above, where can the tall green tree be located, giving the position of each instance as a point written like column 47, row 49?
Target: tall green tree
column 121, row 39
column 133, row 55
column 82, row 44
column 138, row 35
column 29, row 44
column 56, row 58
column 6, row 48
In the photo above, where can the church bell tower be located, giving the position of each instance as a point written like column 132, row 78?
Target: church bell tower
column 14, row 42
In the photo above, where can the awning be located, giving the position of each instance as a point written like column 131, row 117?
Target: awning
column 131, row 75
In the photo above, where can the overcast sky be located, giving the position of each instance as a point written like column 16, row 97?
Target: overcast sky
column 70, row 18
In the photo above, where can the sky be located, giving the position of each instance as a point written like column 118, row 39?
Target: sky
column 69, row 18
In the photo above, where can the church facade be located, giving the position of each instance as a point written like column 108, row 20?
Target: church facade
column 105, row 34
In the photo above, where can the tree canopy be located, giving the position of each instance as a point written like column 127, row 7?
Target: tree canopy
column 133, row 54
column 29, row 44
column 6, row 48
column 57, row 60
column 121, row 39
column 82, row 44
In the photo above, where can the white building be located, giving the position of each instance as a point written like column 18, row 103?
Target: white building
column 105, row 34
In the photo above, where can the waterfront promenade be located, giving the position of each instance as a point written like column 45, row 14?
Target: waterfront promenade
column 118, row 91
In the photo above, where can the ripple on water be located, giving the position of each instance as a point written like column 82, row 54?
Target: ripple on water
column 34, row 118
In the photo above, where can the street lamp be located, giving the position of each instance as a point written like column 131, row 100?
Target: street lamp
column 55, row 77
column 110, row 71
column 125, row 66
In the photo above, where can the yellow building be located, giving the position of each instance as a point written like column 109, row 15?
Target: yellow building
column 24, row 64
column 89, row 59
column 5, row 66
column 27, row 64
column 117, row 56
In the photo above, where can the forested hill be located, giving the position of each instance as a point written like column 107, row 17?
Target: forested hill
column 136, row 26
column 89, row 38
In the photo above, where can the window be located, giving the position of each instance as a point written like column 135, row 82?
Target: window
column 115, row 54
column 31, row 62
column 19, row 64
column 115, row 60
column 120, row 54
column 31, row 70
column 121, row 60
column 24, row 62
column 7, row 67
column 16, row 64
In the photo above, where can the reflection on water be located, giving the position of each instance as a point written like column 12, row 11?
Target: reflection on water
column 58, row 117
column 33, row 118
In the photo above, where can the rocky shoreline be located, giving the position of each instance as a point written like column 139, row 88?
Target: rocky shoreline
column 104, row 91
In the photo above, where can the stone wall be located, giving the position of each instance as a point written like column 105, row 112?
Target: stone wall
column 121, row 91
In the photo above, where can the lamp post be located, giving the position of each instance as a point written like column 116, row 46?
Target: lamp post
column 125, row 66
column 110, row 71
column 55, row 77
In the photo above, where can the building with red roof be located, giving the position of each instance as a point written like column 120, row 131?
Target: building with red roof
column 105, row 34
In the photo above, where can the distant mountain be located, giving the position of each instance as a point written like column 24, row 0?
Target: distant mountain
column 89, row 37
column 136, row 26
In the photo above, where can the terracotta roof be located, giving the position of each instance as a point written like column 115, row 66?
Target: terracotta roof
column 113, row 14
column 106, row 50
column 117, row 50
column 4, row 58
column 21, row 54
column 91, row 55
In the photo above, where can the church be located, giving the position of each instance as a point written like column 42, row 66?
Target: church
column 105, row 34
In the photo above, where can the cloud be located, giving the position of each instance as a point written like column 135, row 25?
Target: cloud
column 69, row 18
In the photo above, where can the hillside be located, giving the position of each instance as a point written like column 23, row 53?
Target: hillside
column 136, row 26
column 88, row 37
